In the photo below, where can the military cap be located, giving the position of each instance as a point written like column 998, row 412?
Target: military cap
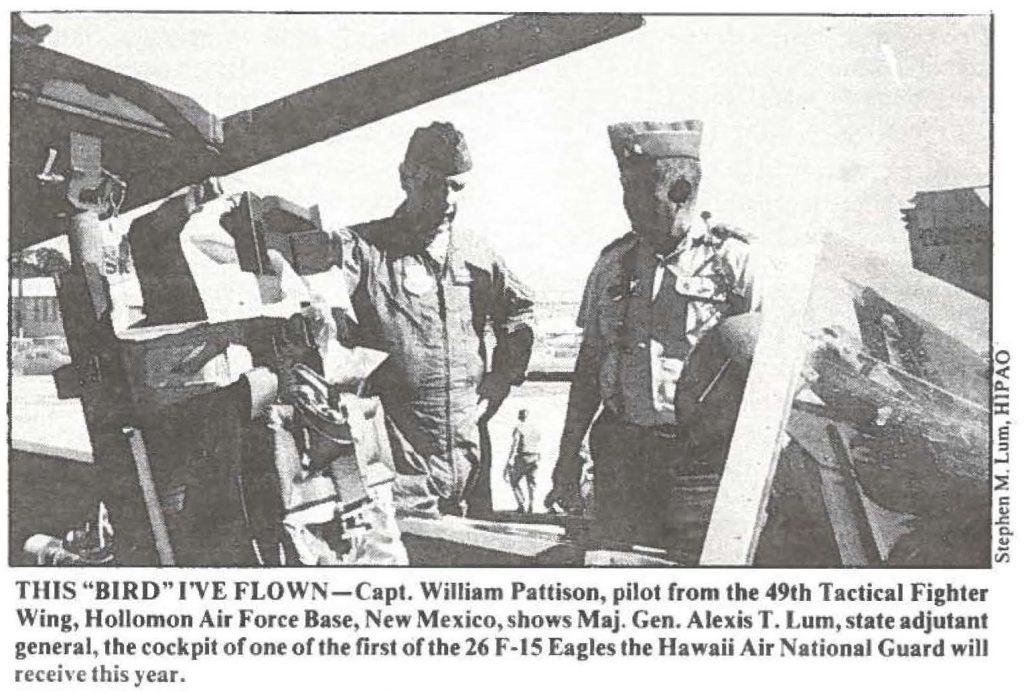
column 440, row 147
column 656, row 140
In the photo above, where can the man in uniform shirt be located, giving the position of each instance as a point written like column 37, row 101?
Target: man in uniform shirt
column 424, row 290
column 650, row 298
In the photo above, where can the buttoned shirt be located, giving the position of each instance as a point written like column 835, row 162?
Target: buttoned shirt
column 642, row 314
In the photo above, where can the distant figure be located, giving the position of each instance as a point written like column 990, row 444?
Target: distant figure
column 523, row 458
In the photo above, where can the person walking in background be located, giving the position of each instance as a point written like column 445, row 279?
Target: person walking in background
column 523, row 458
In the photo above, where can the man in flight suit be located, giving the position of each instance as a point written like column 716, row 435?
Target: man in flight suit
column 424, row 290
column 650, row 298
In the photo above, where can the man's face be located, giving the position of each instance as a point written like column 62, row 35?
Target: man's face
column 659, row 197
column 432, row 198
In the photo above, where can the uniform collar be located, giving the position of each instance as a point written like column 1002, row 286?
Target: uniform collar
column 402, row 242
column 438, row 247
column 690, row 239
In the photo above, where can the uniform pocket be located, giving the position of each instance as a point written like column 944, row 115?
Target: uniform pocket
column 700, row 288
column 610, row 318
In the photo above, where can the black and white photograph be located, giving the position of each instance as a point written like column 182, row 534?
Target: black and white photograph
column 501, row 290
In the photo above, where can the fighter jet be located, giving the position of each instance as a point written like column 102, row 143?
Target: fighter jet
column 878, row 454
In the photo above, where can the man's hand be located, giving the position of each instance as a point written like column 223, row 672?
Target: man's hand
column 565, row 498
column 321, row 325
column 493, row 391
column 565, row 493
column 314, row 253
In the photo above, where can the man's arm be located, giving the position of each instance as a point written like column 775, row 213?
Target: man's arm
column 747, row 279
column 317, row 252
column 512, row 320
column 584, row 402
column 331, row 313
column 517, row 439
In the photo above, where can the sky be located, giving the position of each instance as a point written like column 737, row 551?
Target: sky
column 811, row 123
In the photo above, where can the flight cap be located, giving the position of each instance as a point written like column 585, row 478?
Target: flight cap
column 441, row 147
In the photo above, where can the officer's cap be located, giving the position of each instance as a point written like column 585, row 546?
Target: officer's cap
column 656, row 140
column 440, row 147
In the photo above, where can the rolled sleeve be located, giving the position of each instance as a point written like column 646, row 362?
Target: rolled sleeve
column 513, row 309
column 513, row 323
column 588, row 306
column 746, row 277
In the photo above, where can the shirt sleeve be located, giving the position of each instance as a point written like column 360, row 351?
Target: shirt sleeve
column 588, row 305
column 585, row 391
column 514, row 301
column 350, row 255
column 748, row 282
column 592, row 346
column 512, row 319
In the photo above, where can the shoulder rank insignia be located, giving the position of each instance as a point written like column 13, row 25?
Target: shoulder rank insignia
column 721, row 232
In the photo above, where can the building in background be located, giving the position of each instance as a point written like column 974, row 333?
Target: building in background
column 34, row 310
column 951, row 237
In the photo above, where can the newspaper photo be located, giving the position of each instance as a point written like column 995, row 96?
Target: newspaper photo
column 507, row 337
